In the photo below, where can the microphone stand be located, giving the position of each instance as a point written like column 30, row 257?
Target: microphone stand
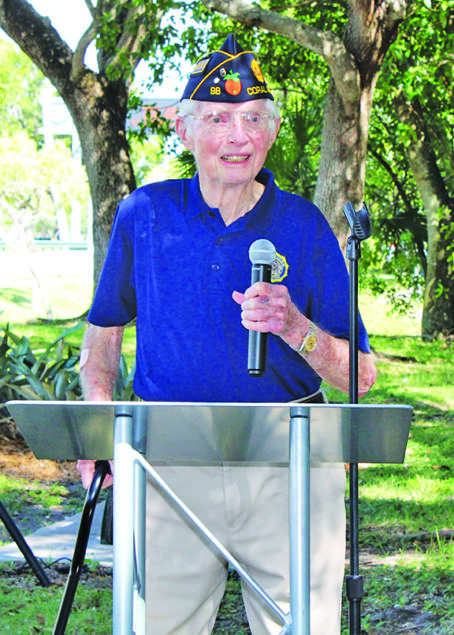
column 360, row 225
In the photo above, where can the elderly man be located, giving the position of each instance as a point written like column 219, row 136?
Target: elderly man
column 178, row 262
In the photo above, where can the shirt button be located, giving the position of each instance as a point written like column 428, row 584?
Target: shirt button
column 211, row 214
column 219, row 241
column 215, row 267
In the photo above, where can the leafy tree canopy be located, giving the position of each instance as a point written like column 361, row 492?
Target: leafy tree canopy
column 34, row 183
column 20, row 87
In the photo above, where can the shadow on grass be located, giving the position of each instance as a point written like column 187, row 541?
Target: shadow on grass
column 406, row 599
column 18, row 297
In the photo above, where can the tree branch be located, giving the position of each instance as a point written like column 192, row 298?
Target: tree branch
column 324, row 43
column 38, row 39
column 394, row 178
column 87, row 38
column 371, row 28
column 93, row 10
column 135, row 24
column 78, row 66
column 130, row 40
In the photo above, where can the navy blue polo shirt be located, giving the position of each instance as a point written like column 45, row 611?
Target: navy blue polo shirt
column 173, row 264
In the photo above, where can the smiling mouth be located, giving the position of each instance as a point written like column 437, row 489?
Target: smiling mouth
column 236, row 158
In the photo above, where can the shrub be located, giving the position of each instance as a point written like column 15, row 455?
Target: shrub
column 51, row 374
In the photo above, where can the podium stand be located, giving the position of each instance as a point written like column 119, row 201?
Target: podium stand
column 140, row 435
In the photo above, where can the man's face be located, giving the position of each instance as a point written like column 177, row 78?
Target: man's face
column 228, row 149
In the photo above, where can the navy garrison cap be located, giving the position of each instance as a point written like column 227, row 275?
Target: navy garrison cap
column 228, row 74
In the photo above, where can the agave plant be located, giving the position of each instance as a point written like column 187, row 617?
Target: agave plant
column 52, row 374
column 49, row 375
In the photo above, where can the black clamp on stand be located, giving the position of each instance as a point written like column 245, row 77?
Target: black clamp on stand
column 360, row 226
column 91, row 498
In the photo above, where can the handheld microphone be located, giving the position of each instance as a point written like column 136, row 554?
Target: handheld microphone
column 262, row 254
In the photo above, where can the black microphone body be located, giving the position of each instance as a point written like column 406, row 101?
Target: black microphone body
column 258, row 342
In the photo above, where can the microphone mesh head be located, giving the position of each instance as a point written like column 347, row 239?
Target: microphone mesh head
column 262, row 252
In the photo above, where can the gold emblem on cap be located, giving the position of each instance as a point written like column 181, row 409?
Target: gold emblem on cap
column 199, row 67
column 257, row 71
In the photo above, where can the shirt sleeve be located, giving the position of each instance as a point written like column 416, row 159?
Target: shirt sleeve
column 114, row 303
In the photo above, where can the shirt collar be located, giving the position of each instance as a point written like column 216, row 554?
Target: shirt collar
column 195, row 205
column 262, row 216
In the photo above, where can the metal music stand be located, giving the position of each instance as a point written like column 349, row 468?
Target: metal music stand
column 139, row 435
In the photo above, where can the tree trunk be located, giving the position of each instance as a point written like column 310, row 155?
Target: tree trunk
column 98, row 107
column 99, row 112
column 341, row 173
column 438, row 304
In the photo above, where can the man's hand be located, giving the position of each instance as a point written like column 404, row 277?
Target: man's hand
column 265, row 307
column 87, row 471
column 268, row 308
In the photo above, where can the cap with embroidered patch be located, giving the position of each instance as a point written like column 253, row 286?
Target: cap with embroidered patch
column 228, row 74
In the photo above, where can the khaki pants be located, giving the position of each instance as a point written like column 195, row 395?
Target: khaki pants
column 246, row 508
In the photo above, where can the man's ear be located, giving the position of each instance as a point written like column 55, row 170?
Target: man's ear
column 182, row 131
column 277, row 125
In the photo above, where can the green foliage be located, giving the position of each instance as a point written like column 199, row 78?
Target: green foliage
column 418, row 70
column 123, row 386
column 51, row 374
column 420, row 589
column 34, row 609
column 232, row 617
column 20, row 83
column 18, row 494
column 293, row 158
column 153, row 123
column 185, row 166
column 148, row 159
column 154, row 36
column 34, row 185
column 410, row 370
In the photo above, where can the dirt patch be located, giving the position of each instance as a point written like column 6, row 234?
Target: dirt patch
column 91, row 577
column 23, row 464
column 17, row 460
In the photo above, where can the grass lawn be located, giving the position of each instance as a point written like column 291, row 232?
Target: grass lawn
column 406, row 511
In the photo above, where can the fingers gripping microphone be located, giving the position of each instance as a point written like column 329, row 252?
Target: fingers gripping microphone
column 262, row 254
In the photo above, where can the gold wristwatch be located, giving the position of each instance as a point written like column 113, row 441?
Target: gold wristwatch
column 310, row 340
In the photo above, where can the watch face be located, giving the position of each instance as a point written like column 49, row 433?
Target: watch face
column 310, row 343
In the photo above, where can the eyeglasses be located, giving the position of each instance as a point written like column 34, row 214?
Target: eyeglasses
column 222, row 120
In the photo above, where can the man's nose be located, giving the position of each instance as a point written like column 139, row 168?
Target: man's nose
column 237, row 129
